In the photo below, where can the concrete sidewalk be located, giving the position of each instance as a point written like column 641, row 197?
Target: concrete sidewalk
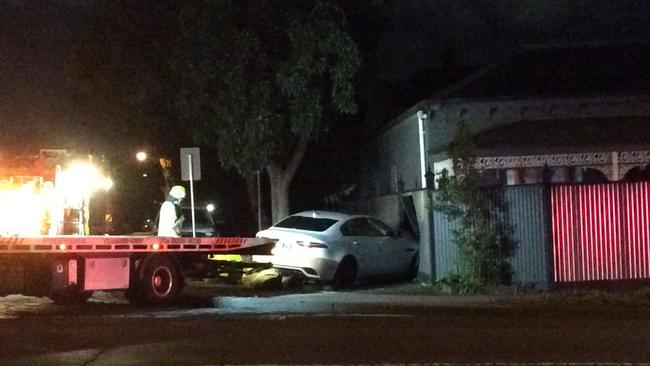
column 333, row 301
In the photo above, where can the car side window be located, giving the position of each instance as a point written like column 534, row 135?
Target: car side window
column 370, row 230
column 351, row 228
column 384, row 229
column 359, row 227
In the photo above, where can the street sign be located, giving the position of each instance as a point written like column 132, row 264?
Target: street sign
column 191, row 170
column 190, row 163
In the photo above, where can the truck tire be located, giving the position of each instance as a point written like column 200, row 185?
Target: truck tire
column 161, row 281
column 133, row 295
column 70, row 296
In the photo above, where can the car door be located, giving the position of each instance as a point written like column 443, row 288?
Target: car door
column 359, row 241
column 393, row 253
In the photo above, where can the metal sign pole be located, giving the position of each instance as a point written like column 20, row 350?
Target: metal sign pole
column 189, row 160
column 259, row 203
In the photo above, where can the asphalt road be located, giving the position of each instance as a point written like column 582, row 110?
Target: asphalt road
column 195, row 332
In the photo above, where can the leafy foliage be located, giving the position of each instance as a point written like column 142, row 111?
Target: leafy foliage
column 481, row 245
column 460, row 284
column 259, row 76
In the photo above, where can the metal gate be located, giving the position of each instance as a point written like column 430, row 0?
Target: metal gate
column 601, row 232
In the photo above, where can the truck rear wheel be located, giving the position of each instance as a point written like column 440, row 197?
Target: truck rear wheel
column 132, row 295
column 161, row 281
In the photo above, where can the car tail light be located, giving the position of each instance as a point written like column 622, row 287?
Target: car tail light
column 317, row 245
column 311, row 245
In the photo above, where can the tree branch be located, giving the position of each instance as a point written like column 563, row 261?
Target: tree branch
column 323, row 6
column 274, row 170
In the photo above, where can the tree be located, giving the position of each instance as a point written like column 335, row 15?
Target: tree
column 261, row 79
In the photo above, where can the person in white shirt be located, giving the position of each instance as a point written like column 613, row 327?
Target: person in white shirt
column 171, row 217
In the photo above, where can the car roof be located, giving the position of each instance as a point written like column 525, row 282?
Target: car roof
column 327, row 215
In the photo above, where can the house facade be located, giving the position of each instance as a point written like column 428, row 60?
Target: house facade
column 545, row 112
column 558, row 114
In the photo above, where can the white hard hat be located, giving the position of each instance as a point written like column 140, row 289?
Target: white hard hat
column 177, row 192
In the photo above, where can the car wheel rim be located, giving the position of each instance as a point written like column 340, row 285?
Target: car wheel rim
column 161, row 281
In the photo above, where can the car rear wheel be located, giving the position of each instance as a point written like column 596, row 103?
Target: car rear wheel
column 346, row 273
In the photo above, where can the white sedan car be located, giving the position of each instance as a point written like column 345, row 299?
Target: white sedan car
column 339, row 248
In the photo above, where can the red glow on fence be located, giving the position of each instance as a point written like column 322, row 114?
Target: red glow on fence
column 601, row 232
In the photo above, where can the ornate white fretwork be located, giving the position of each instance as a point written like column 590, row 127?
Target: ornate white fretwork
column 625, row 168
column 630, row 157
column 533, row 161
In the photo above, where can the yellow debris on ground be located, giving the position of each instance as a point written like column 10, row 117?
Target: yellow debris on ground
column 267, row 279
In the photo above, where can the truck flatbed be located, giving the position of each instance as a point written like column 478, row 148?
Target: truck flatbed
column 132, row 244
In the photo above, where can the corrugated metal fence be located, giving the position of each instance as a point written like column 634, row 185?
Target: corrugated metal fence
column 521, row 210
column 601, row 232
column 561, row 233
column 527, row 217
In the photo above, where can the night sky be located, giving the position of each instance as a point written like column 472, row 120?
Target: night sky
column 424, row 32
column 413, row 49
column 39, row 41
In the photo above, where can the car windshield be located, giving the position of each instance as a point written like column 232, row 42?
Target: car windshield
column 306, row 223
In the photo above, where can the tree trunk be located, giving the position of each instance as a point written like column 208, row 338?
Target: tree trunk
column 280, row 180
column 279, row 196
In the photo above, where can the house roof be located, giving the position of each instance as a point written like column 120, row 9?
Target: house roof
column 619, row 131
column 561, row 70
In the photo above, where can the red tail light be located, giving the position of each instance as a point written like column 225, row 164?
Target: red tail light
column 317, row 245
column 311, row 245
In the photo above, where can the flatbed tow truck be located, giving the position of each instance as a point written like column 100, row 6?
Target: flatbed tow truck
column 46, row 249
column 150, row 270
